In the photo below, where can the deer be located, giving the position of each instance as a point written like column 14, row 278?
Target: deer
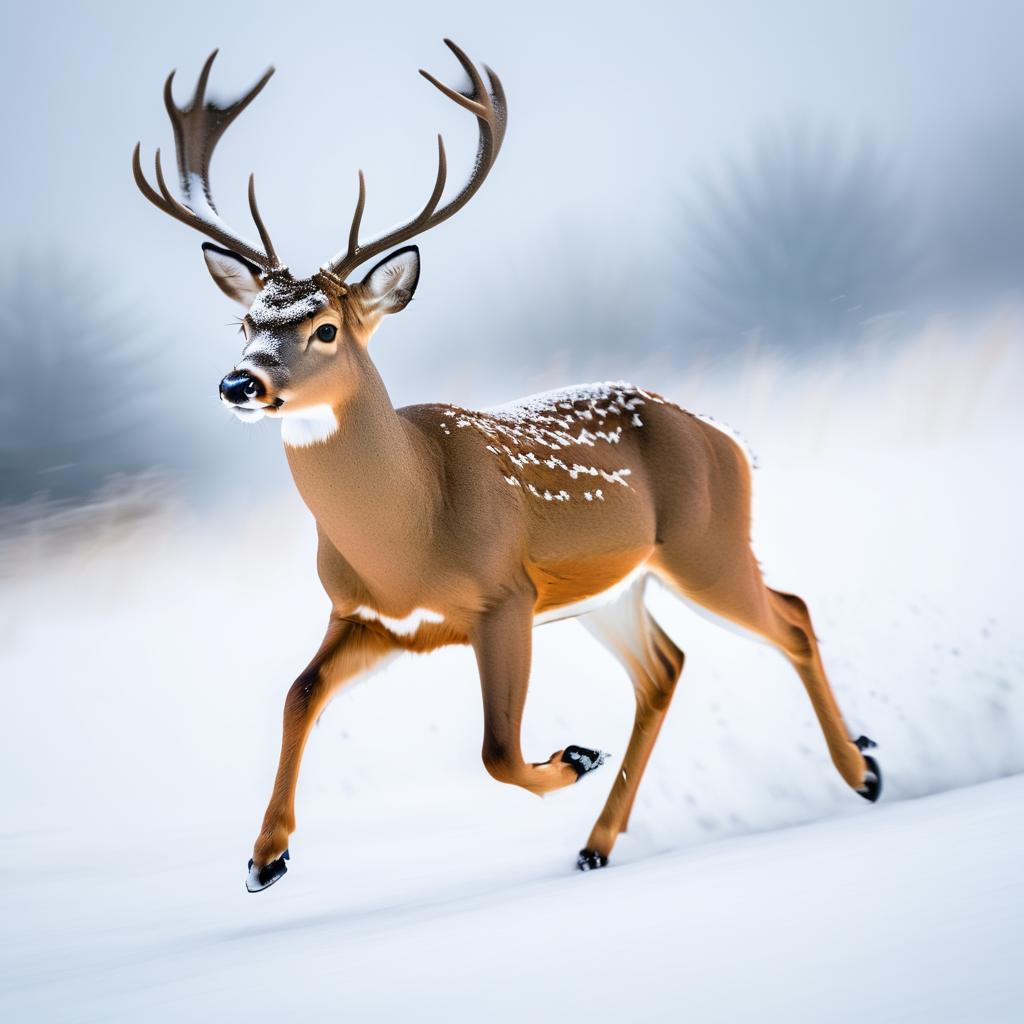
column 440, row 525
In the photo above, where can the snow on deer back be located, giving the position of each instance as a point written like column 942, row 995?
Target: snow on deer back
column 561, row 446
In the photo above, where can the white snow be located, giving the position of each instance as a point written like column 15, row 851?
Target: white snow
column 284, row 301
column 198, row 201
column 598, row 397
column 546, row 420
column 144, row 670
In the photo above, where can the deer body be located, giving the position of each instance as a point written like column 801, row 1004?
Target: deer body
column 441, row 525
column 478, row 501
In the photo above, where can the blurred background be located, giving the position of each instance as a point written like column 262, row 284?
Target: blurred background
column 804, row 219
column 688, row 185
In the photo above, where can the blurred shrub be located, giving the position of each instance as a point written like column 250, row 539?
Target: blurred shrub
column 75, row 407
column 795, row 247
column 978, row 216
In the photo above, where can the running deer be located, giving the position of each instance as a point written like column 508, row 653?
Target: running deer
column 443, row 525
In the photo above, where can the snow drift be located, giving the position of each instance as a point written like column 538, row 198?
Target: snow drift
column 145, row 665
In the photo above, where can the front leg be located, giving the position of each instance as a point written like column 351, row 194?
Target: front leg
column 348, row 650
column 503, row 644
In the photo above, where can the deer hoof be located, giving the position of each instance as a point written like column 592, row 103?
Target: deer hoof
column 583, row 760
column 264, row 877
column 872, row 788
column 590, row 860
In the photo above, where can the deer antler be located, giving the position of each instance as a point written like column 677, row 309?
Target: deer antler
column 491, row 110
column 197, row 130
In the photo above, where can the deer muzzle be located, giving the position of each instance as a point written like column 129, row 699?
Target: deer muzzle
column 241, row 387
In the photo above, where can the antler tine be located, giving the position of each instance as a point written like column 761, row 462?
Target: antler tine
column 500, row 106
column 197, row 130
column 242, row 102
column 439, row 181
column 490, row 109
column 258, row 221
column 166, row 202
column 174, row 112
column 473, row 106
column 479, row 102
column 357, row 217
column 354, row 249
column 140, row 179
column 169, row 200
column 204, row 76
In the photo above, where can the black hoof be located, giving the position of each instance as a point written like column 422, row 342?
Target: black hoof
column 590, row 860
column 863, row 743
column 266, row 876
column 872, row 788
column 583, row 759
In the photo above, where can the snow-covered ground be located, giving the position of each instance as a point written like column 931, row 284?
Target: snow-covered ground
column 908, row 912
column 144, row 665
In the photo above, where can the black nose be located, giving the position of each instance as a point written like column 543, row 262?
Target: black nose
column 239, row 387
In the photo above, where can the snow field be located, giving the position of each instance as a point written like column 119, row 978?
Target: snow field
column 145, row 667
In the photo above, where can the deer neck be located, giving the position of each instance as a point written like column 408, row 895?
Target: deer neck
column 369, row 483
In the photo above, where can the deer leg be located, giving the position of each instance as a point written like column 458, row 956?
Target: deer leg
column 502, row 641
column 654, row 663
column 740, row 596
column 348, row 649
column 793, row 634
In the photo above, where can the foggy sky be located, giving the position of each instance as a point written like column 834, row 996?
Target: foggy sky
column 613, row 110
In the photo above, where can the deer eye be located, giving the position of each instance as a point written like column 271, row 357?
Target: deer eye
column 326, row 332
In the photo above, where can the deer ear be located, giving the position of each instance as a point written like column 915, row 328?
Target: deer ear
column 391, row 283
column 236, row 277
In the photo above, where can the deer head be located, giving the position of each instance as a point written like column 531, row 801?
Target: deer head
column 306, row 338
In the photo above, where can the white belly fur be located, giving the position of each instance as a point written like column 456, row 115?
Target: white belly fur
column 577, row 608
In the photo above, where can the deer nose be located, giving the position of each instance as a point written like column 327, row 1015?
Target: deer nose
column 239, row 387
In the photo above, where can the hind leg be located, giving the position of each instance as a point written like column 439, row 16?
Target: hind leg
column 740, row 595
column 654, row 663
column 795, row 638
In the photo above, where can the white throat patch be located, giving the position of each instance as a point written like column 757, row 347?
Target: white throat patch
column 308, row 426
